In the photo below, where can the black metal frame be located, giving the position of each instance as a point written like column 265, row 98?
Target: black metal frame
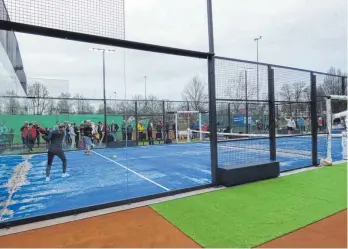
column 212, row 96
column 74, row 36
column 314, row 119
column 273, row 65
column 271, row 115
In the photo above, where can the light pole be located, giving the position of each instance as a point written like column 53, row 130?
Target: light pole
column 257, row 65
column 246, row 98
column 145, row 86
column 115, row 102
column 104, row 93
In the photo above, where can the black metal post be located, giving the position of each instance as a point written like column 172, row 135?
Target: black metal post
column 271, row 115
column 344, row 85
column 104, row 97
column 164, row 117
column 314, row 119
column 229, row 116
column 246, row 117
column 136, row 124
column 212, row 97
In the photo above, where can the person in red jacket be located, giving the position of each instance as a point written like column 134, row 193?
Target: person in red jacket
column 29, row 136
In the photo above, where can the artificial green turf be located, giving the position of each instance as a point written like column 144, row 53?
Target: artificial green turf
column 252, row 214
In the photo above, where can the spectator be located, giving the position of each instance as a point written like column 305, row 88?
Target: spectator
column 141, row 131
column 291, row 125
column 149, row 131
column 301, row 124
column 129, row 132
column 36, row 126
column 167, row 131
column 29, row 136
column 77, row 135
column 159, row 131
column 72, row 135
column 174, row 129
column 24, row 126
column 320, row 124
column 3, row 134
column 123, row 130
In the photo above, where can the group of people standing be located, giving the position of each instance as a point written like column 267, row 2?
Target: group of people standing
column 161, row 131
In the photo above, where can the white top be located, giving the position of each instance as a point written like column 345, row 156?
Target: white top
column 71, row 131
column 291, row 123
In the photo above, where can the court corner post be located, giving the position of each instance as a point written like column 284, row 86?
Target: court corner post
column 164, row 115
column 212, row 97
column 271, row 115
column 314, row 119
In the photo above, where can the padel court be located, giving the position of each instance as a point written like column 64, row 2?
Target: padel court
column 116, row 174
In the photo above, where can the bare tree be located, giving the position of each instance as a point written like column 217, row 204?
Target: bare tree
column 82, row 106
column 109, row 109
column 333, row 85
column 11, row 104
column 154, row 105
column 298, row 89
column 64, row 104
column 38, row 94
column 196, row 94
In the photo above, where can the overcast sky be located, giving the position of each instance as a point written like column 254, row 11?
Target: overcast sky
column 309, row 34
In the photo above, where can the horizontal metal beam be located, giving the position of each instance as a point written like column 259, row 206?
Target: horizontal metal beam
column 242, row 100
column 62, row 34
column 275, row 65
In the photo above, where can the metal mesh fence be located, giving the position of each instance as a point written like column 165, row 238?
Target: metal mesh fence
column 237, row 81
column 95, row 17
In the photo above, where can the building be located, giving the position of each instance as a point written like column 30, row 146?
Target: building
column 12, row 75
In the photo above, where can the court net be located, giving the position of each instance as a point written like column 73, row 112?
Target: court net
column 297, row 145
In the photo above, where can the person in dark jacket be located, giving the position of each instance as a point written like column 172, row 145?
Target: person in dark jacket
column 36, row 126
column 174, row 129
column 29, row 136
column 129, row 132
column 24, row 126
column 149, row 132
column 55, row 142
column 123, row 130
column 77, row 137
column 166, row 131
column 159, row 131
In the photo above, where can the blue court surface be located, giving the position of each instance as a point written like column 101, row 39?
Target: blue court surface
column 116, row 174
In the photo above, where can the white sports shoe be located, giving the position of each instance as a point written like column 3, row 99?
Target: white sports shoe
column 48, row 179
column 65, row 175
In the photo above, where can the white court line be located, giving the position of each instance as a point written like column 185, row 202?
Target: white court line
column 145, row 178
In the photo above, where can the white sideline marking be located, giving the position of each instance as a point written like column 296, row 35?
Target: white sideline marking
column 147, row 179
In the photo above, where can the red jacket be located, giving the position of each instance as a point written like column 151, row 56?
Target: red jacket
column 32, row 132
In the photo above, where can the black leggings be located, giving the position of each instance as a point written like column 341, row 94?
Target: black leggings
column 55, row 152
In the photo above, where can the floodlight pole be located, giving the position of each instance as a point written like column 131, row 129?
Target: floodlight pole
column 104, row 91
column 257, row 65
column 145, row 87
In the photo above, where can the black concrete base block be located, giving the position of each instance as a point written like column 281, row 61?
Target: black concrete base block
column 236, row 175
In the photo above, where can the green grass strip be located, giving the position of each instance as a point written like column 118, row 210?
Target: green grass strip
column 252, row 214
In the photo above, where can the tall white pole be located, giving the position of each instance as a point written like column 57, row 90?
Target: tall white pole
column 328, row 124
